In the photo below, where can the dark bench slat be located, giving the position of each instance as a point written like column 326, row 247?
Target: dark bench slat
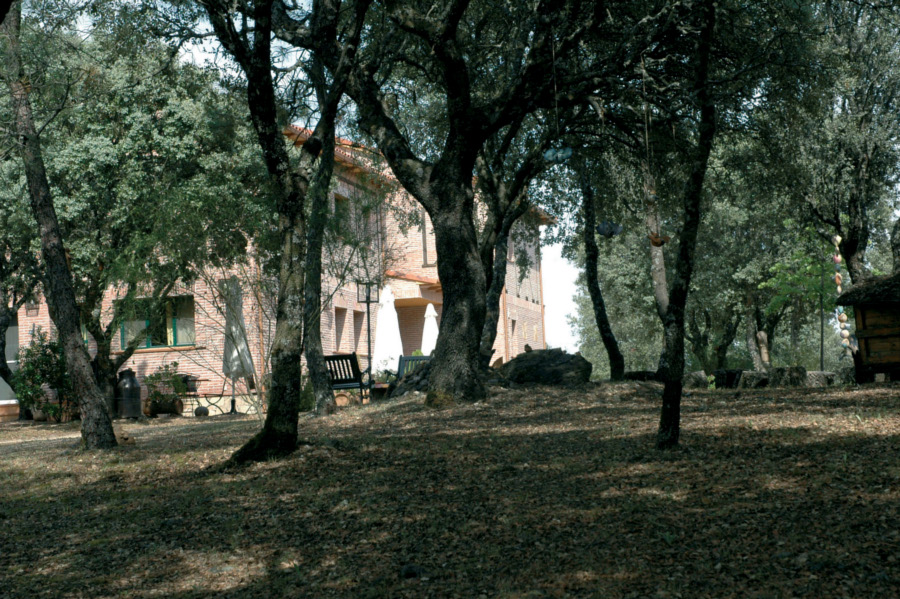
column 344, row 372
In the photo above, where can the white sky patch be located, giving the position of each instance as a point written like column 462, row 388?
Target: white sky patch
column 559, row 297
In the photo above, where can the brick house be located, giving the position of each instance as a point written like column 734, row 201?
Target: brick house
column 398, row 248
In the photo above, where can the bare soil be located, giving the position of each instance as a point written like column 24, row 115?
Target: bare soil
column 536, row 492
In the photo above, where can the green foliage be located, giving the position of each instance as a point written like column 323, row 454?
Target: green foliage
column 165, row 384
column 307, row 396
column 710, row 381
column 801, row 277
column 42, row 363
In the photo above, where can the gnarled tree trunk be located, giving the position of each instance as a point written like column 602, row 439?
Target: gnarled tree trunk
column 895, row 245
column 454, row 372
column 96, row 427
column 591, row 258
column 670, row 416
column 312, row 305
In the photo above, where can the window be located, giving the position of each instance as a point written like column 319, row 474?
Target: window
column 340, row 318
column 170, row 324
column 341, row 214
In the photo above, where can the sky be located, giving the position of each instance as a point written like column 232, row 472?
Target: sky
column 559, row 292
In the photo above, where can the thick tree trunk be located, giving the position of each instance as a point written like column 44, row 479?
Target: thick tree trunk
column 670, row 415
column 312, row 303
column 454, row 372
column 591, row 259
column 96, row 427
column 6, row 315
column 278, row 436
column 721, row 351
column 895, row 245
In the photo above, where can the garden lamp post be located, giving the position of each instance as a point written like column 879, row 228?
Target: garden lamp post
column 367, row 293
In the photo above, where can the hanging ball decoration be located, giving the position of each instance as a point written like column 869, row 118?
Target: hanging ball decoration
column 840, row 289
column 840, row 309
column 837, row 258
column 836, row 240
column 558, row 155
column 843, row 325
column 845, row 334
column 838, row 278
column 842, row 317
column 845, row 343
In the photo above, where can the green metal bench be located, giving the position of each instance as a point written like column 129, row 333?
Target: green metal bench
column 411, row 363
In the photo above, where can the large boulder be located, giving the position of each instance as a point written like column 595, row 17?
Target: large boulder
column 695, row 380
column 417, row 380
column 819, row 378
column 548, row 367
column 754, row 379
column 728, row 379
column 792, row 376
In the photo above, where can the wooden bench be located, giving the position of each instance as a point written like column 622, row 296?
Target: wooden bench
column 345, row 374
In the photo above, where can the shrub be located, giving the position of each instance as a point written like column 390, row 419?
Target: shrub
column 42, row 365
column 165, row 388
column 307, row 396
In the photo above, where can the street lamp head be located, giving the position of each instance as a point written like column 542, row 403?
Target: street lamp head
column 367, row 292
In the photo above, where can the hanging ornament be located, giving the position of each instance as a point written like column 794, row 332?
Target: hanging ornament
column 608, row 229
column 837, row 258
column 845, row 343
column 840, row 289
column 845, row 334
column 842, row 317
column 559, row 155
column 838, row 278
column 840, row 309
column 836, row 240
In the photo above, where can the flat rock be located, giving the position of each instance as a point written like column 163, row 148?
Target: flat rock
column 728, row 379
column 820, row 378
column 791, row 376
column 754, row 379
column 695, row 380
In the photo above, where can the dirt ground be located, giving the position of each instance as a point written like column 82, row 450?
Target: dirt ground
column 536, row 492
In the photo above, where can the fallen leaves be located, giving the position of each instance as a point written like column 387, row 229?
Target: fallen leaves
column 536, row 493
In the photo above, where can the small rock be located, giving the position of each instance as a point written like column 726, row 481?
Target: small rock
column 201, row 411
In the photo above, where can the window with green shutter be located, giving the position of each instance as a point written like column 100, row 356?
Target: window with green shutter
column 170, row 324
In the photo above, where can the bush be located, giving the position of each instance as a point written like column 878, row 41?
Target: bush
column 307, row 396
column 42, row 365
column 165, row 389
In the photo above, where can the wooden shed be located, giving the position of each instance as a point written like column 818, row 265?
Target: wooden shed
column 877, row 307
